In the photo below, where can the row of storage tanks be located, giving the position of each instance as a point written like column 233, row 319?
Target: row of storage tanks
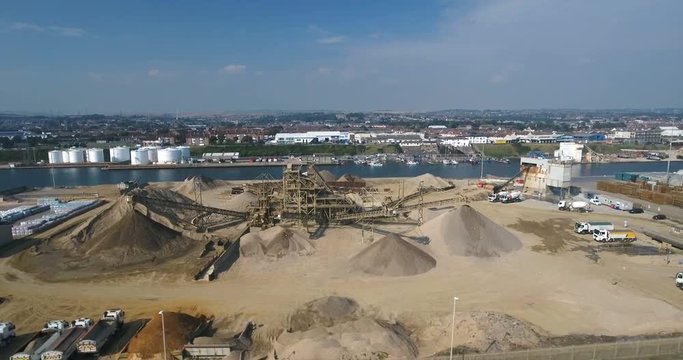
column 119, row 154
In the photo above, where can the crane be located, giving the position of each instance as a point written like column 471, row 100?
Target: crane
column 499, row 187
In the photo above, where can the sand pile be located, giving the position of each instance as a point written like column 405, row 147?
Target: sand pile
column 465, row 231
column 350, row 178
column 477, row 331
column 187, row 187
column 328, row 176
column 358, row 339
column 326, row 311
column 392, row 256
column 276, row 241
column 412, row 185
column 180, row 328
column 241, row 202
column 120, row 235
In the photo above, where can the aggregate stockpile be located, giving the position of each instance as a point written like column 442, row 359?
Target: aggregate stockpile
column 427, row 181
column 241, row 202
column 276, row 241
column 392, row 256
column 335, row 328
column 187, row 187
column 121, row 236
column 180, row 329
column 466, row 232
column 98, row 335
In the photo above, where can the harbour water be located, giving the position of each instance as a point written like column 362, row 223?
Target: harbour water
column 14, row 177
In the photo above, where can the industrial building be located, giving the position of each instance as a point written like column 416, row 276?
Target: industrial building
column 546, row 178
column 569, row 152
column 335, row 137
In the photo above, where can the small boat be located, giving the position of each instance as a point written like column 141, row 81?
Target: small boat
column 412, row 162
column 375, row 163
column 360, row 162
column 454, row 162
column 446, row 162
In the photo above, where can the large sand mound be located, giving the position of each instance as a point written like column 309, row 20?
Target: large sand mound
column 412, row 185
column 326, row 311
column 328, row 176
column 465, row 231
column 350, row 178
column 121, row 235
column 359, row 339
column 479, row 331
column 187, row 187
column 179, row 329
column 392, row 256
column 276, row 241
column 241, row 202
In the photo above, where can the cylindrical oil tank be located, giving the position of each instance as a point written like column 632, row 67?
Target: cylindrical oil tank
column 139, row 157
column 76, row 156
column 152, row 154
column 119, row 154
column 65, row 156
column 184, row 152
column 95, row 155
column 55, row 157
column 168, row 156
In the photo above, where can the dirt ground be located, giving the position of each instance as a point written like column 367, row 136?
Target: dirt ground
column 560, row 282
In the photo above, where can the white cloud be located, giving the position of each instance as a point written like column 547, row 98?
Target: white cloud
column 331, row 40
column 153, row 73
column 325, row 37
column 95, row 76
column 233, row 69
column 57, row 30
column 67, row 31
column 324, row 70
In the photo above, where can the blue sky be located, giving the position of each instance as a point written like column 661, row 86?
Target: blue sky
column 241, row 55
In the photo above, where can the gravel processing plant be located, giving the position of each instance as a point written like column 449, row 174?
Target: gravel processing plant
column 326, row 267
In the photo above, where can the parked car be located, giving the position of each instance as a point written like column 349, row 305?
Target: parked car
column 595, row 201
column 659, row 217
column 636, row 211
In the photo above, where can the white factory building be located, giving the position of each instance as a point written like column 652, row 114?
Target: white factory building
column 309, row 136
column 569, row 151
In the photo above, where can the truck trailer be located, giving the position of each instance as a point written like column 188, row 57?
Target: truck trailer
column 38, row 346
column 65, row 346
column 98, row 335
column 614, row 236
column 589, row 227
column 580, row 206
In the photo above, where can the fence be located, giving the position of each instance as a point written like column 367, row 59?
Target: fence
column 640, row 349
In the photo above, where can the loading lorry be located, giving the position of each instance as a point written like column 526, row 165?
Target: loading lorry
column 98, row 335
column 65, row 345
column 7, row 332
column 513, row 196
column 589, row 227
column 580, row 206
column 38, row 346
column 614, row 236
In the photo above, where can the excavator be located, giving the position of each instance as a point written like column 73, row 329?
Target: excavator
column 498, row 188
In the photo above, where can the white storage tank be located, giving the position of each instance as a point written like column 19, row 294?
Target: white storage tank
column 95, row 155
column 168, row 156
column 152, row 154
column 65, row 156
column 119, row 154
column 55, row 157
column 76, row 156
column 139, row 157
column 184, row 152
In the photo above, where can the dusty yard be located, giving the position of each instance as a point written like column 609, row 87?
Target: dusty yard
column 558, row 282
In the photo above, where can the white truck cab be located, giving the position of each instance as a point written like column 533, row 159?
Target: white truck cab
column 55, row 325
column 679, row 280
column 82, row 322
column 114, row 315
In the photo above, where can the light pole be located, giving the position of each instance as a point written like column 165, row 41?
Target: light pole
column 455, row 299
column 163, row 333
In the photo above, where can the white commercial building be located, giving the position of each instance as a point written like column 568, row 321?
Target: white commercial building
column 478, row 139
column 569, row 151
column 671, row 131
column 310, row 136
column 457, row 142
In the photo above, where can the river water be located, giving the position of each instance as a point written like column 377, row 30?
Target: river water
column 95, row 176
